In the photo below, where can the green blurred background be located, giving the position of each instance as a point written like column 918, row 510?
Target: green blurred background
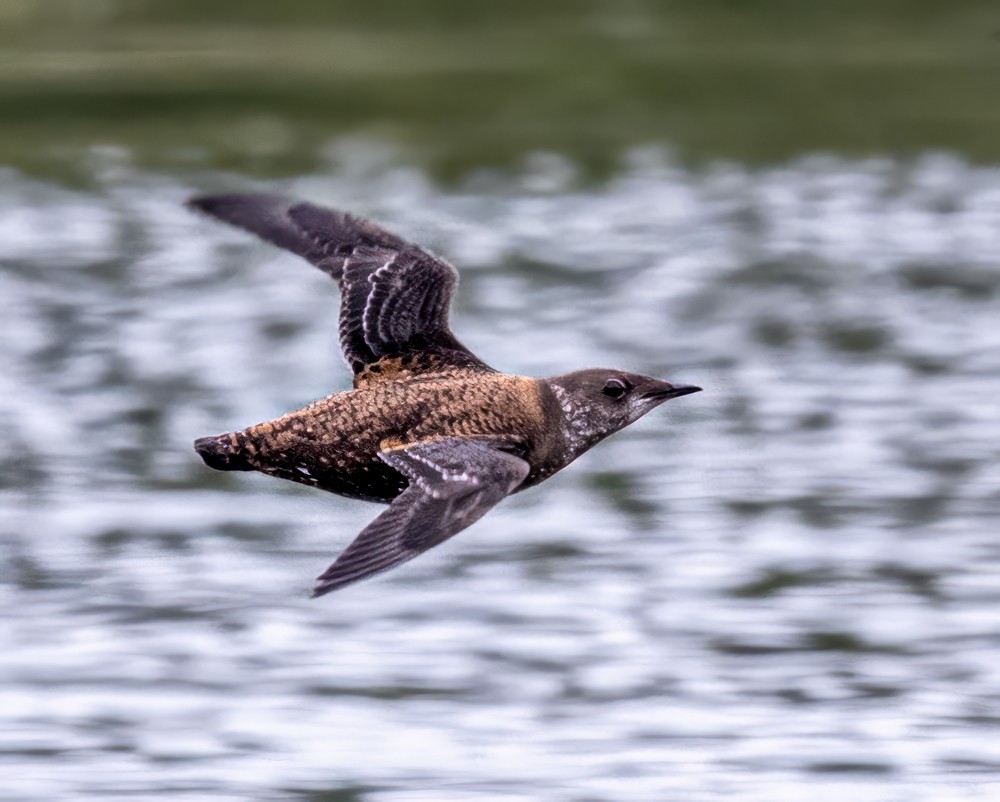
column 261, row 87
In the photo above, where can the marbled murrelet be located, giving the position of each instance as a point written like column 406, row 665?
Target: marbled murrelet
column 428, row 427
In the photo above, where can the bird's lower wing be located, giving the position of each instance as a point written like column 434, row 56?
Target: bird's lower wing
column 453, row 482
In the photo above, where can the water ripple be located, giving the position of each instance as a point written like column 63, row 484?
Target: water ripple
column 783, row 589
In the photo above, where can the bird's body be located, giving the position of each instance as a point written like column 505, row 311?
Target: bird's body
column 333, row 444
column 428, row 426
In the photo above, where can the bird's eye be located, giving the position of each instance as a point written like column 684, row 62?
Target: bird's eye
column 615, row 388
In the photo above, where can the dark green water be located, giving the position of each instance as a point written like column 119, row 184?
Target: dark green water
column 783, row 588
column 261, row 87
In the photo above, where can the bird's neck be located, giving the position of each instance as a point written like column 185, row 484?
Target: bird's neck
column 579, row 429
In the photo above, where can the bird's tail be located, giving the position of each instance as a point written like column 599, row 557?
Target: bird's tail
column 223, row 452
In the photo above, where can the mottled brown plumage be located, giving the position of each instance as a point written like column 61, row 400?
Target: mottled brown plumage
column 333, row 444
column 429, row 426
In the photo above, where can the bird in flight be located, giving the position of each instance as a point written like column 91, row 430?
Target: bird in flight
column 428, row 428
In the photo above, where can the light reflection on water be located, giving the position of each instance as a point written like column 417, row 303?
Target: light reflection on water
column 784, row 587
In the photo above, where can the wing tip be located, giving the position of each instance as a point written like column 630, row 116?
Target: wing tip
column 216, row 205
column 327, row 582
column 325, row 586
column 319, row 590
column 206, row 204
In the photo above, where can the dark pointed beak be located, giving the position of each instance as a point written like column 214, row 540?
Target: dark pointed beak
column 663, row 391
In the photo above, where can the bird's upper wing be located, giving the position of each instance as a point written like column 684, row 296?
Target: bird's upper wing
column 453, row 482
column 394, row 295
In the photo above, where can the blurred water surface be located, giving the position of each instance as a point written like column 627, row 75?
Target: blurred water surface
column 783, row 588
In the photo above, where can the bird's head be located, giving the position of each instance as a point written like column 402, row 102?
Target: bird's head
column 598, row 402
